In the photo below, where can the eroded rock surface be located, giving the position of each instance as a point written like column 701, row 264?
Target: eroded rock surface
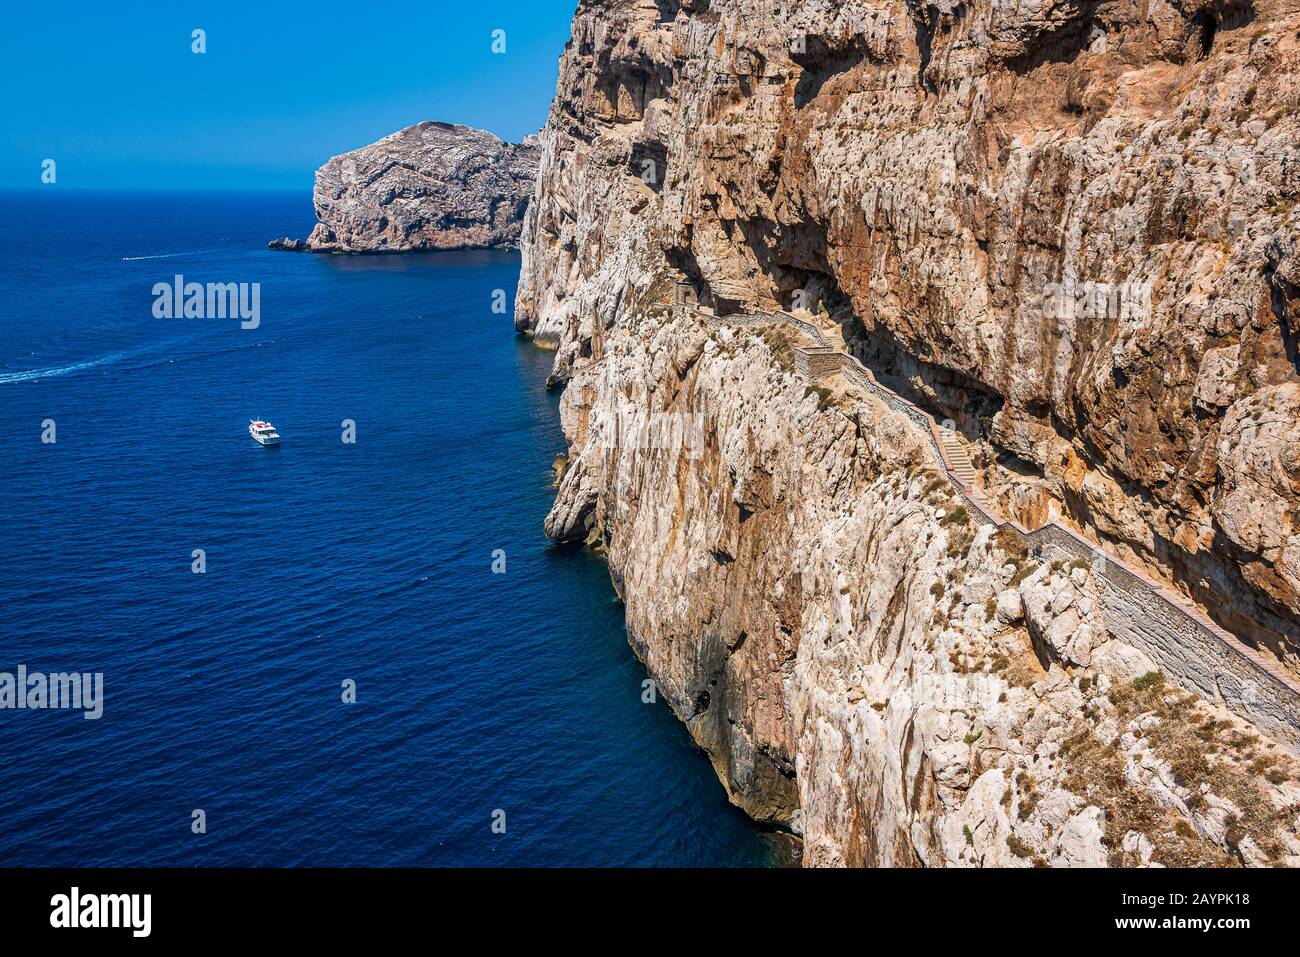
column 429, row 186
column 1072, row 230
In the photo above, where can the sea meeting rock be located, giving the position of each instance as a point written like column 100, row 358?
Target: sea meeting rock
column 861, row 664
column 429, row 186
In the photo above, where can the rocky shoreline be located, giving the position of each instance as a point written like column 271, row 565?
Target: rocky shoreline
column 863, row 663
column 432, row 186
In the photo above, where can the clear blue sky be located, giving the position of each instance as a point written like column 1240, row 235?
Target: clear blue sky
column 113, row 93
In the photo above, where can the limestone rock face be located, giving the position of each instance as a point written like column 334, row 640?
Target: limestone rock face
column 860, row 662
column 1259, row 463
column 1069, row 228
column 1064, row 614
column 429, row 186
column 1072, row 227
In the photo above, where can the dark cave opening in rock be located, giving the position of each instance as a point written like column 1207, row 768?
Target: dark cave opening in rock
column 944, row 392
column 681, row 259
column 820, row 63
column 924, row 44
column 1013, row 463
column 812, row 290
column 668, row 10
column 627, row 94
column 793, row 260
column 648, row 162
column 1285, row 301
column 701, row 703
column 1207, row 26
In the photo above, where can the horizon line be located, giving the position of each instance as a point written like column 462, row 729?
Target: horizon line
column 46, row 187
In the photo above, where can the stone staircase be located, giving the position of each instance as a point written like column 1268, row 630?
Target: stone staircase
column 958, row 461
column 1223, row 669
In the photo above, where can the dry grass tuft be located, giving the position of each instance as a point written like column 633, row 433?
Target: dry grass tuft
column 1200, row 751
column 1010, row 544
column 781, row 343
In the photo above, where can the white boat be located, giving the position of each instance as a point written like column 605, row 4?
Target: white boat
column 263, row 432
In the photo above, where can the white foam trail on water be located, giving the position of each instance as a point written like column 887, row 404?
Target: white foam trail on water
column 32, row 374
column 195, row 252
column 29, row 375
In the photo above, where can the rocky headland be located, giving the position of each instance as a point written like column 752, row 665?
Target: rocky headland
column 429, row 186
column 1069, row 232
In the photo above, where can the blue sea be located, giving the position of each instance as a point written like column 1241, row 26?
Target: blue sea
column 480, row 697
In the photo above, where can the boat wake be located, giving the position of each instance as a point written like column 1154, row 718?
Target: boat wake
column 30, row 375
column 139, row 362
column 194, row 252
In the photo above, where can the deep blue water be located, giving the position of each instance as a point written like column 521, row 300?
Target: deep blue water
column 325, row 562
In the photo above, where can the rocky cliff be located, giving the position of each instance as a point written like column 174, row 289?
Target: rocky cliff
column 1068, row 228
column 429, row 186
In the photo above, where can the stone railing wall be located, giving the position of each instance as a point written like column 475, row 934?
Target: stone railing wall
column 817, row 362
column 803, row 325
column 1187, row 645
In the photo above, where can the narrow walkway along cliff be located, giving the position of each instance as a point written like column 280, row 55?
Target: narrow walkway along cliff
column 1067, row 234
column 1145, row 613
